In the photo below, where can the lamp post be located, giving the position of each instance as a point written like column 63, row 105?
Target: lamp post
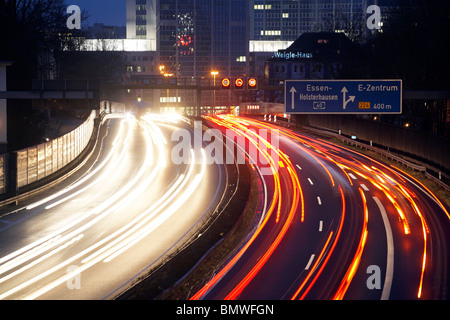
column 214, row 73
column 162, row 70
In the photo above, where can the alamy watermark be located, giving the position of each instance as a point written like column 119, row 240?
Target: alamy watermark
column 74, row 20
column 374, row 21
column 74, row 282
column 257, row 147
column 374, row 280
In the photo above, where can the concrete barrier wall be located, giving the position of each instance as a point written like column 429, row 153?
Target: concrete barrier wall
column 38, row 162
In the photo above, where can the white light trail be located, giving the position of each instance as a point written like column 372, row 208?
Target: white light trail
column 114, row 244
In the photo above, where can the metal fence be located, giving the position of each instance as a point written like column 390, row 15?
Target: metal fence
column 3, row 173
column 38, row 162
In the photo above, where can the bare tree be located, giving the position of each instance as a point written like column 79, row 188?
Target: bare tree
column 31, row 32
column 30, row 37
column 353, row 25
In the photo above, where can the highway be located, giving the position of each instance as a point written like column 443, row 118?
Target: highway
column 334, row 224
column 94, row 236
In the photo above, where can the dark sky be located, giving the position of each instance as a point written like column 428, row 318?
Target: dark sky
column 109, row 12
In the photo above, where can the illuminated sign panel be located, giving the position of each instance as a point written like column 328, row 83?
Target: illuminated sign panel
column 252, row 84
column 239, row 84
column 343, row 96
column 226, row 83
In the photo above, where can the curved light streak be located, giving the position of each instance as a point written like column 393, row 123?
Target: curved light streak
column 121, row 240
column 297, row 198
column 323, row 259
column 343, row 287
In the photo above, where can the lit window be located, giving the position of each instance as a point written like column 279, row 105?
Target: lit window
column 285, row 15
column 273, row 32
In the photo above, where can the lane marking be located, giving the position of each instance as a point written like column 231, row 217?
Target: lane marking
column 390, row 252
column 352, row 176
column 310, row 262
column 310, row 181
column 320, row 225
column 364, row 187
column 300, row 168
column 319, row 201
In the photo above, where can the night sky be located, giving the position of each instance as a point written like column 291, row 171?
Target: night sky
column 109, row 12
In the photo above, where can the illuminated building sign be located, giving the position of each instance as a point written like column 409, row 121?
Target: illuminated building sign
column 292, row 55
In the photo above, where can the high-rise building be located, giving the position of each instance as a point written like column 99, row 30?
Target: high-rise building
column 288, row 19
column 141, row 19
column 192, row 38
column 196, row 36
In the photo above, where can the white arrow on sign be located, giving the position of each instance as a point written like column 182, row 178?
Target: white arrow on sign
column 351, row 98
column 293, row 91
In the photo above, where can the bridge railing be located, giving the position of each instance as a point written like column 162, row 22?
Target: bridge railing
column 38, row 162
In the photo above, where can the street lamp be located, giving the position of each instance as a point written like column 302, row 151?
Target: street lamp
column 214, row 73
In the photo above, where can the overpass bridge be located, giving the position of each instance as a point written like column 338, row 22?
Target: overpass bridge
column 57, row 90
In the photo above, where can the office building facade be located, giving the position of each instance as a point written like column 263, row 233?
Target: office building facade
column 193, row 38
column 287, row 19
column 198, row 36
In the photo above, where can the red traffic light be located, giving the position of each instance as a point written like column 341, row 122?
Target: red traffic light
column 252, row 84
column 226, row 83
column 239, row 83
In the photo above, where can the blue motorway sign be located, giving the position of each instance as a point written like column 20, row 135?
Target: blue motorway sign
column 343, row 96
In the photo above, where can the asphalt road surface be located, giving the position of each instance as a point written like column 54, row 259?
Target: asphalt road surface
column 335, row 224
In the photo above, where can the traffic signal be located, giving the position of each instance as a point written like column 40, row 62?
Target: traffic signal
column 252, row 84
column 239, row 84
column 226, row 83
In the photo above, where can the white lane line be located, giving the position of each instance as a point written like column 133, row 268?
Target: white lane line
column 310, row 262
column 319, row 201
column 364, row 187
column 310, row 181
column 320, row 225
column 352, row 176
column 390, row 252
column 300, row 168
